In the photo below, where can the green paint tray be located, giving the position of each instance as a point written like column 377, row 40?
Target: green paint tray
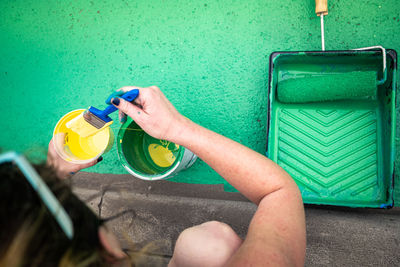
column 341, row 151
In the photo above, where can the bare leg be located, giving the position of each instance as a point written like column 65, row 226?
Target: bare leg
column 209, row 244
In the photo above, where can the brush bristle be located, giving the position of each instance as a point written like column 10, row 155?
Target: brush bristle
column 86, row 124
column 93, row 119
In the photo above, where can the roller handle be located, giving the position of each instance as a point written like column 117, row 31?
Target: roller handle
column 321, row 7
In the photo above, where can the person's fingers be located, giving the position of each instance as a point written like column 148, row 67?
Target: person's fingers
column 129, row 109
column 122, row 116
column 139, row 99
column 58, row 141
column 119, row 92
column 114, row 94
column 138, row 103
column 90, row 164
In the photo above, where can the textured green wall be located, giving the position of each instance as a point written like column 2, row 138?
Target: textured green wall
column 209, row 57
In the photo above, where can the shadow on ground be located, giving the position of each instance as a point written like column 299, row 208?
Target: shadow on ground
column 154, row 213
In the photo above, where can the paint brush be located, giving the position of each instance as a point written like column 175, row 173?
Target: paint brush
column 94, row 120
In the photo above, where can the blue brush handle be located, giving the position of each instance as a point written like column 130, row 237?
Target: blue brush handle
column 128, row 96
column 108, row 110
column 103, row 114
column 116, row 94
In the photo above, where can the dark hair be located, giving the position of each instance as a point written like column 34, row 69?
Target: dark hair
column 29, row 234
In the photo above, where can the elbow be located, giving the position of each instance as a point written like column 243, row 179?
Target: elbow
column 292, row 189
column 287, row 186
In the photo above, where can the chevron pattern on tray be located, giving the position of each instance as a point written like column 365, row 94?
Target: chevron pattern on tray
column 331, row 154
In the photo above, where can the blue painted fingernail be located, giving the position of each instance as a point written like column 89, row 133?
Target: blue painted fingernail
column 114, row 94
column 100, row 159
column 72, row 173
column 123, row 119
column 115, row 101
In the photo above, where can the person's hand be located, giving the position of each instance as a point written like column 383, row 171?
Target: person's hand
column 65, row 169
column 152, row 111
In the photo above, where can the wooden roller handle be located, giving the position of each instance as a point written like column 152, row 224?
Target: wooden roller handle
column 321, row 7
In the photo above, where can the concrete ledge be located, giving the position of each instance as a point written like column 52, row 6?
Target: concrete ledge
column 156, row 212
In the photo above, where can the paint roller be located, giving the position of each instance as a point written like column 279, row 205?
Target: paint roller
column 327, row 87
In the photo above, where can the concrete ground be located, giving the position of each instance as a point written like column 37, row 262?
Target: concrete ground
column 154, row 213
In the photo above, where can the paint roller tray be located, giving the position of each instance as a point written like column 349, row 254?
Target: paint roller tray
column 339, row 152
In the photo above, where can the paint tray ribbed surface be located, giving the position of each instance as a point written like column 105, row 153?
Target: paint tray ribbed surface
column 339, row 147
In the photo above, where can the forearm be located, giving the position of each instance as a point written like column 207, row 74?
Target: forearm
column 253, row 174
column 279, row 219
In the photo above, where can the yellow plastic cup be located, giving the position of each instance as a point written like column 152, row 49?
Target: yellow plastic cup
column 76, row 149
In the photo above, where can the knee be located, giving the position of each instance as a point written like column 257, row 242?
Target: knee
column 213, row 233
column 208, row 244
column 218, row 230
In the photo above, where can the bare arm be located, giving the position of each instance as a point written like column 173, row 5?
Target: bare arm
column 276, row 234
column 251, row 173
column 277, row 230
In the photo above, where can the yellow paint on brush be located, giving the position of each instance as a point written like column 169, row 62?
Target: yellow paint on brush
column 80, row 126
column 161, row 155
column 78, row 147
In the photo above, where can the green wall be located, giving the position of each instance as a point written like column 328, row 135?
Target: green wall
column 209, row 57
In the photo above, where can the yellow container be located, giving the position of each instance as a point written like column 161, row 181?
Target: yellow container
column 76, row 149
